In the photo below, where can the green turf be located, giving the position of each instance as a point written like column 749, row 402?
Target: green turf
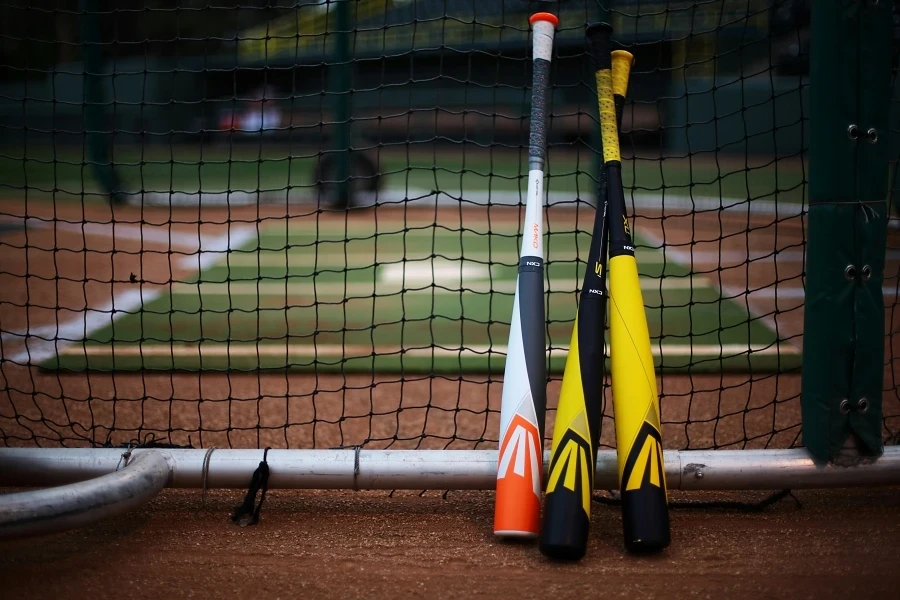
column 292, row 304
column 273, row 168
column 416, row 319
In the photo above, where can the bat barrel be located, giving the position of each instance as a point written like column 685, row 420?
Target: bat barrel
column 645, row 521
column 570, row 528
column 567, row 504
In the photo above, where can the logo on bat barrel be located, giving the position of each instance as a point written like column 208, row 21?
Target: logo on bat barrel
column 570, row 468
column 645, row 466
column 519, row 454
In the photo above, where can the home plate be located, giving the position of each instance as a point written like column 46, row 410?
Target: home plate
column 446, row 272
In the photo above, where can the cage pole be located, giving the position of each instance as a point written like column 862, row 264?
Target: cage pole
column 442, row 469
column 124, row 486
column 340, row 83
column 95, row 101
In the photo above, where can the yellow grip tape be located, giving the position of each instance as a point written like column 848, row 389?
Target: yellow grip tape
column 621, row 71
column 608, row 129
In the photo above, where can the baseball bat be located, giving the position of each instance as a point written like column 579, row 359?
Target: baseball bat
column 517, row 504
column 573, row 455
column 645, row 512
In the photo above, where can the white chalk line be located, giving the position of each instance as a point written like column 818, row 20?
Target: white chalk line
column 141, row 232
column 44, row 342
column 350, row 351
column 727, row 291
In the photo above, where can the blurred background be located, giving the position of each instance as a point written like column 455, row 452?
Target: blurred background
column 157, row 101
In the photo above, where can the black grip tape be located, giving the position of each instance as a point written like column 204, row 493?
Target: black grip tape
column 539, row 93
column 620, row 108
column 599, row 36
column 620, row 240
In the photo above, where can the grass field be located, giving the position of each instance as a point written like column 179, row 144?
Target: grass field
column 423, row 299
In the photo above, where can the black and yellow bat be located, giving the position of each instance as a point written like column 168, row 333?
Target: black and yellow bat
column 567, row 503
column 645, row 512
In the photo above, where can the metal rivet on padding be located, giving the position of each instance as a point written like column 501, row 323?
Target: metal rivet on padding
column 850, row 272
column 853, row 132
column 845, row 406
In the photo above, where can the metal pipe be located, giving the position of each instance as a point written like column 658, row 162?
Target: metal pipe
column 441, row 469
column 76, row 505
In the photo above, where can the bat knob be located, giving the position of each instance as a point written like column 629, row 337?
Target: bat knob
column 544, row 16
column 599, row 32
column 599, row 36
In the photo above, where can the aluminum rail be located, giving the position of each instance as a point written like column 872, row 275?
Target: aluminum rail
column 440, row 469
column 78, row 504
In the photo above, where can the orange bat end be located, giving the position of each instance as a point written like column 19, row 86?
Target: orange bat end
column 517, row 507
column 544, row 16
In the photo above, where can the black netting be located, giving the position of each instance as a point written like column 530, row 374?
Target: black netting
column 296, row 224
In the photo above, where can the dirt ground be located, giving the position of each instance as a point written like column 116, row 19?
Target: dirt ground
column 839, row 544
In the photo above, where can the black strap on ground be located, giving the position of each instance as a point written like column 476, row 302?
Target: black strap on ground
column 245, row 514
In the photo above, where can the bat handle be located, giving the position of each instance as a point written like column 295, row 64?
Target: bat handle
column 599, row 36
column 621, row 60
column 544, row 27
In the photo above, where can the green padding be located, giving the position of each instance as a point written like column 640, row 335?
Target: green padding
column 95, row 101
column 843, row 356
column 868, row 366
column 843, row 346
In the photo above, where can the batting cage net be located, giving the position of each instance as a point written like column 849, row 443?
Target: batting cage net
column 297, row 224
